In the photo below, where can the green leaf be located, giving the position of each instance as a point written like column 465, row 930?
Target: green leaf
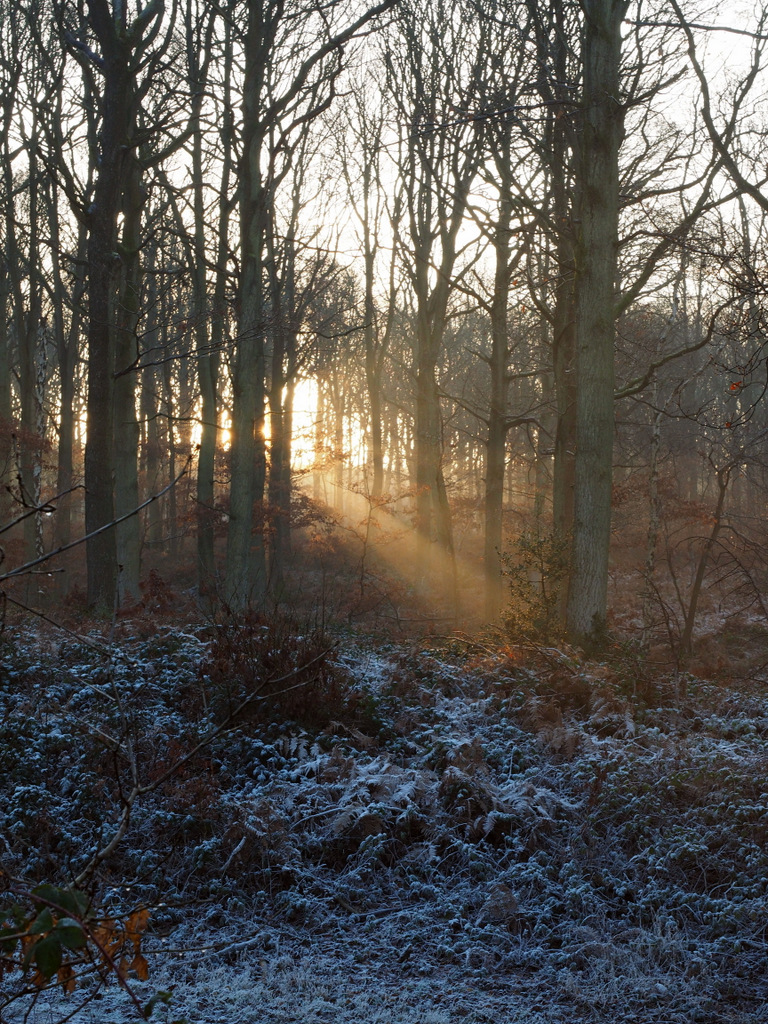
column 19, row 915
column 48, row 893
column 71, row 900
column 70, row 934
column 48, row 955
column 8, row 939
column 42, row 923
column 81, row 901
column 158, row 997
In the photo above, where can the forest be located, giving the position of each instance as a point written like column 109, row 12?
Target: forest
column 383, row 488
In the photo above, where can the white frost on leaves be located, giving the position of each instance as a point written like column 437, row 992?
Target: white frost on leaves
column 459, row 870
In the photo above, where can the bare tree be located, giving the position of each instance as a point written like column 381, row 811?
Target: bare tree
column 282, row 93
column 123, row 54
column 362, row 150
column 437, row 70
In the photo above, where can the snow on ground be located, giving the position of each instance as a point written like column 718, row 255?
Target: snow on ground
column 490, row 840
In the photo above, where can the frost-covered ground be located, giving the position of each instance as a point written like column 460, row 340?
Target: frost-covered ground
column 407, row 836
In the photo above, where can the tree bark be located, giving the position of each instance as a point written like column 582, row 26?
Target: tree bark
column 150, row 412
column 67, row 349
column 103, row 265
column 686, row 640
column 246, row 564
column 497, row 414
column 209, row 327
column 596, row 273
column 304, row 93
column 126, row 424
column 29, row 330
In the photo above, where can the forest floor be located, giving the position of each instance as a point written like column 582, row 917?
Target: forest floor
column 409, row 832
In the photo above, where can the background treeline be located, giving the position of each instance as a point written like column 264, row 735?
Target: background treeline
column 511, row 253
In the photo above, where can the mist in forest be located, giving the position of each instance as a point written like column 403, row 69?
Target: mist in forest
column 469, row 295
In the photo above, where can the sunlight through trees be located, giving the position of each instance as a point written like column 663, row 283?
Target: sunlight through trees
column 514, row 251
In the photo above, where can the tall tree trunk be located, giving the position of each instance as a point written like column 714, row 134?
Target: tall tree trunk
column 282, row 287
column 103, row 264
column 246, row 564
column 723, row 477
column 497, row 413
column 31, row 356
column 210, row 342
column 9, row 96
column 654, row 517
column 150, row 418
column 373, row 376
column 554, row 41
column 29, row 333
column 126, row 424
column 122, row 48
column 542, row 478
column 199, row 34
column 564, row 370
column 67, row 339
column 6, row 449
column 281, row 428
column 438, row 169
column 339, row 407
column 596, row 273
column 318, row 469
column 171, row 538
column 273, row 115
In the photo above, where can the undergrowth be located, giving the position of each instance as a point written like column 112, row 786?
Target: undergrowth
column 463, row 809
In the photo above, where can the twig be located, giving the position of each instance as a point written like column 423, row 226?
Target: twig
column 85, row 927
column 138, row 790
column 52, row 622
column 47, row 506
column 28, row 566
column 233, row 715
